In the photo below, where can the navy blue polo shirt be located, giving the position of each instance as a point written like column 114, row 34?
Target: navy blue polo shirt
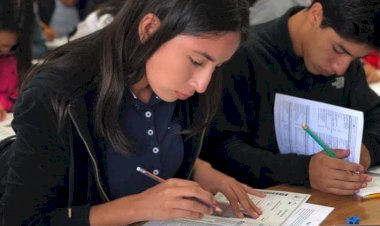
column 158, row 146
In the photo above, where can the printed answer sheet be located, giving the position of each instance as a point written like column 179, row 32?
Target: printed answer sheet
column 338, row 127
column 309, row 215
column 277, row 207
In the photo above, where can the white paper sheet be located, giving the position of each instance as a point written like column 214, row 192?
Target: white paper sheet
column 372, row 188
column 277, row 207
column 338, row 127
column 5, row 127
column 309, row 215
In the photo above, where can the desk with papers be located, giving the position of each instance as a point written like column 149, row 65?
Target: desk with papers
column 344, row 206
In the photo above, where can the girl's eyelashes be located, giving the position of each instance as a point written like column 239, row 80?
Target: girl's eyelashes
column 196, row 63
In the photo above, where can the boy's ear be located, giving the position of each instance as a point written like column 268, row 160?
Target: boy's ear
column 149, row 24
column 316, row 14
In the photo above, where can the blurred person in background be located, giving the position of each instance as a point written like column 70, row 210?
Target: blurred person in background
column 58, row 18
column 8, row 67
column 98, row 19
column 16, row 18
column 265, row 10
column 20, row 13
column 371, row 65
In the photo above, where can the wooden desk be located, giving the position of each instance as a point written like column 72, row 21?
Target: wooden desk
column 344, row 206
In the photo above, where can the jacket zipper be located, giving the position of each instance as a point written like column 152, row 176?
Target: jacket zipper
column 93, row 160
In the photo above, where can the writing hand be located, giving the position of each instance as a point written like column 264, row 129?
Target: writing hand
column 168, row 200
column 236, row 192
column 335, row 175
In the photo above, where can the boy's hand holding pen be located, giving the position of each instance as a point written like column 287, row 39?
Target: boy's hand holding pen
column 214, row 206
column 332, row 174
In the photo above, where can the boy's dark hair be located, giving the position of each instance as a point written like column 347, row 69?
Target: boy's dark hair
column 355, row 20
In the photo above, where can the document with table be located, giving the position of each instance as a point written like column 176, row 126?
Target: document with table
column 278, row 207
column 338, row 127
column 5, row 127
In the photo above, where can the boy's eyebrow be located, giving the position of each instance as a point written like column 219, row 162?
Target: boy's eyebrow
column 206, row 55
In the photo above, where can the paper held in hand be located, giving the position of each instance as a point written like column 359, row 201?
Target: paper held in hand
column 338, row 127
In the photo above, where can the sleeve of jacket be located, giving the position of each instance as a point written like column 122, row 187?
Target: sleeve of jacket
column 35, row 192
column 365, row 99
column 230, row 146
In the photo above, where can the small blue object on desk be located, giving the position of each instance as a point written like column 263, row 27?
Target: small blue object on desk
column 353, row 220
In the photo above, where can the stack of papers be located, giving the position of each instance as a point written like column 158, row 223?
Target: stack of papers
column 279, row 208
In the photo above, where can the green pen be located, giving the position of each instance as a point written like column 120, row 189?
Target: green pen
column 319, row 141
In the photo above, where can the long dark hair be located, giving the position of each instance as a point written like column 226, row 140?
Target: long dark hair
column 111, row 7
column 123, row 56
column 355, row 20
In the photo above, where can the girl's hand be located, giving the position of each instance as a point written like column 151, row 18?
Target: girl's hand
column 171, row 199
column 236, row 192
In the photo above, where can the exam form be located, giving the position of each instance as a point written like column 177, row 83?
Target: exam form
column 277, row 207
column 338, row 127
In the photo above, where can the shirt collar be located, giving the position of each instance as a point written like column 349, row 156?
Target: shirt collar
column 130, row 99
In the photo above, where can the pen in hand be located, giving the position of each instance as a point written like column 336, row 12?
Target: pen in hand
column 215, row 208
column 319, row 141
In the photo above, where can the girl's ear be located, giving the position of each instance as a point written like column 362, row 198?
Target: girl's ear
column 149, row 24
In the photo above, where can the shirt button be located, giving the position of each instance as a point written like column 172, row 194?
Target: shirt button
column 148, row 114
column 156, row 150
column 156, row 172
column 150, row 132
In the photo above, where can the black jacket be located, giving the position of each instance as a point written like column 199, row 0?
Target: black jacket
column 55, row 177
column 243, row 143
